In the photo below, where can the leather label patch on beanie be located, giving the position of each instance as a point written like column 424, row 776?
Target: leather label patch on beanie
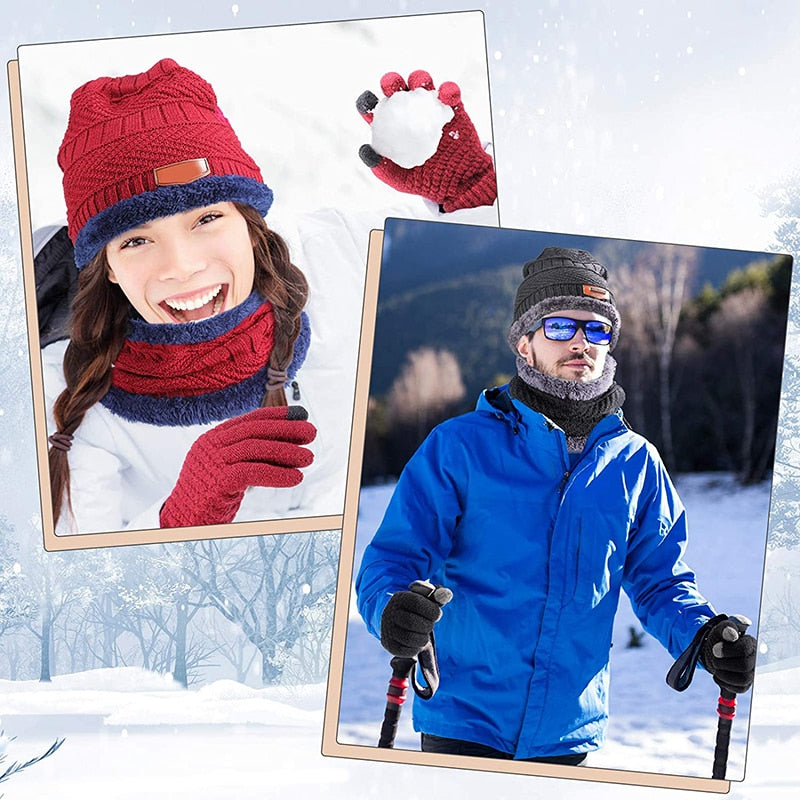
column 182, row 172
column 597, row 292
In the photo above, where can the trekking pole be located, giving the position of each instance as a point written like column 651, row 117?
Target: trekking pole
column 403, row 669
column 726, row 710
column 680, row 676
column 395, row 697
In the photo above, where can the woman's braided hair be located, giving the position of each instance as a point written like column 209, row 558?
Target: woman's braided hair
column 99, row 324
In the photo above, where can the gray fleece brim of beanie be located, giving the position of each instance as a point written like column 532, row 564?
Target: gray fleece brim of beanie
column 544, row 308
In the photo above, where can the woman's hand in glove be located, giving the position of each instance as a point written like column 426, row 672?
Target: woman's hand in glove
column 260, row 448
column 425, row 144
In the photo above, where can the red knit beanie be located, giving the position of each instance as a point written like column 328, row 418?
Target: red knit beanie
column 146, row 146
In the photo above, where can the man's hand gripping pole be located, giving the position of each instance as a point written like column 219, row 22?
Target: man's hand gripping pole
column 403, row 669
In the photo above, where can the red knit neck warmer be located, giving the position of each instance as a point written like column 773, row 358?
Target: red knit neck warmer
column 171, row 370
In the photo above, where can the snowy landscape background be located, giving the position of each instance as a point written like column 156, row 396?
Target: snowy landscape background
column 635, row 120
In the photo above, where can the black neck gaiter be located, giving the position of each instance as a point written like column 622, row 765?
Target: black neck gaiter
column 574, row 406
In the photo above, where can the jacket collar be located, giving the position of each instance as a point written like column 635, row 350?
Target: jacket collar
column 498, row 402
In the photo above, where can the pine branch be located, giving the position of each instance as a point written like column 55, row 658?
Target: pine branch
column 18, row 767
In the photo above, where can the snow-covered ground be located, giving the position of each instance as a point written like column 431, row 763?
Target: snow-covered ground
column 129, row 733
column 132, row 734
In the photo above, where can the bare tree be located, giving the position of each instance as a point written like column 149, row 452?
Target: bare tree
column 633, row 292
column 666, row 270
column 312, row 652
column 230, row 644
column 58, row 583
column 651, row 285
column 429, row 382
column 16, row 652
column 265, row 584
column 783, row 199
column 736, row 322
column 785, row 510
column 156, row 605
column 16, row 600
column 424, row 393
column 779, row 631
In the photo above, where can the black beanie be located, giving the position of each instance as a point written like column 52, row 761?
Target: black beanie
column 562, row 278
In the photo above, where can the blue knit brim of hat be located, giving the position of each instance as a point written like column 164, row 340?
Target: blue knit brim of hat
column 164, row 202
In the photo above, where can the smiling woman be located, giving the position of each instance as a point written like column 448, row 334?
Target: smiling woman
column 185, row 267
column 168, row 403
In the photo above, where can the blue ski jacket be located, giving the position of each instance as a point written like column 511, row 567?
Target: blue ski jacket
column 536, row 555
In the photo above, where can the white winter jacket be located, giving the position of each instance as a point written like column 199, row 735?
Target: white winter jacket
column 122, row 471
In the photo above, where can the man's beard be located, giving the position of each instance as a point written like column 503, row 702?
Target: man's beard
column 562, row 362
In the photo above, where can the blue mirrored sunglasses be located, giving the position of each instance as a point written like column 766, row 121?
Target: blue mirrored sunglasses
column 562, row 329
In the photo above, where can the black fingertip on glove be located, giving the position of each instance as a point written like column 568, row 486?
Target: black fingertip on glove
column 366, row 102
column 296, row 412
column 368, row 155
column 729, row 655
column 407, row 623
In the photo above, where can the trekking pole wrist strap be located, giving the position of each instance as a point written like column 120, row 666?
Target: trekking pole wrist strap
column 682, row 671
column 429, row 667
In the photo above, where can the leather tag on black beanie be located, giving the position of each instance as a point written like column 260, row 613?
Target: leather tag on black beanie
column 597, row 292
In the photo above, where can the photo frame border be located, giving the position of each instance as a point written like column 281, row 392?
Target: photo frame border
column 57, row 542
column 51, row 541
column 330, row 745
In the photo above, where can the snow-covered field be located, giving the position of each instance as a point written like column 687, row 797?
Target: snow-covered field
column 132, row 734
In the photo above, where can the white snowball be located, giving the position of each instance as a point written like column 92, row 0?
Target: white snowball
column 407, row 126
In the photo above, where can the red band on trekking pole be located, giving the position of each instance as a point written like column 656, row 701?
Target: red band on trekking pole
column 726, row 708
column 398, row 688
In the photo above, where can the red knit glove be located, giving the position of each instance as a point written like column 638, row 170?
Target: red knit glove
column 460, row 174
column 260, row 448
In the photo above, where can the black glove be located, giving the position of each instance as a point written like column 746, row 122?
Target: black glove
column 729, row 654
column 407, row 623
